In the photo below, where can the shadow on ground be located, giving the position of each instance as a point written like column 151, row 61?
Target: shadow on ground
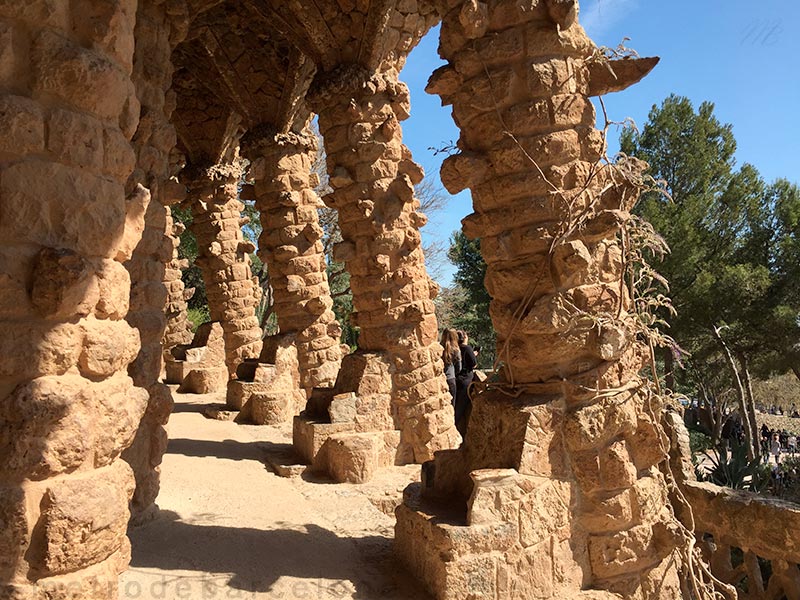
column 252, row 561
column 230, row 449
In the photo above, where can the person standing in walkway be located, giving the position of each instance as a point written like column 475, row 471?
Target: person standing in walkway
column 463, row 380
column 775, row 448
column 451, row 355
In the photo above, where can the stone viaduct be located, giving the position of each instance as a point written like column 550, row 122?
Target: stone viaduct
column 112, row 111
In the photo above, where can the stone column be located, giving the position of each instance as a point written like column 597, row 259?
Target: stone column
column 571, row 407
column 158, row 29
column 223, row 255
column 291, row 246
column 179, row 329
column 373, row 179
column 67, row 405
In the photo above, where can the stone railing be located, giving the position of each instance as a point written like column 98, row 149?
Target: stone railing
column 750, row 541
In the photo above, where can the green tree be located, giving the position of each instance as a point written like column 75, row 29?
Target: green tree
column 733, row 265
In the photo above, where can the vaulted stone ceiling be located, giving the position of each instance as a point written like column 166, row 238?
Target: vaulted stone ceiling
column 248, row 63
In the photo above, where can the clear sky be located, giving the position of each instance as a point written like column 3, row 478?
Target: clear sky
column 743, row 56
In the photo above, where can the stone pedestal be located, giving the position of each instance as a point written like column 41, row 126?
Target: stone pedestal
column 267, row 390
column 199, row 367
column 347, row 432
column 556, row 488
column 373, row 177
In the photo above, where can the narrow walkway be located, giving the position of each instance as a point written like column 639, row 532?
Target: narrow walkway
column 230, row 528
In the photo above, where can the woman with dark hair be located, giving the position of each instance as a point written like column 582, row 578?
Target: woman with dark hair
column 451, row 355
column 463, row 380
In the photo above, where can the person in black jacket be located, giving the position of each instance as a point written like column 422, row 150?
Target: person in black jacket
column 464, row 378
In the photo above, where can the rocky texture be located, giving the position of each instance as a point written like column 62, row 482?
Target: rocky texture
column 67, row 224
column 158, row 29
column 199, row 367
column 291, row 246
column 373, row 177
column 223, row 256
column 267, row 390
column 579, row 502
column 179, row 328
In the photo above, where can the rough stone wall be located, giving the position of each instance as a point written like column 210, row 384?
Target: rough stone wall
column 373, row 177
column 291, row 246
column 571, row 406
column 179, row 329
column 67, row 405
column 158, row 28
column 233, row 293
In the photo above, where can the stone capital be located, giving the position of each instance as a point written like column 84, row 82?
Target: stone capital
column 353, row 81
column 266, row 140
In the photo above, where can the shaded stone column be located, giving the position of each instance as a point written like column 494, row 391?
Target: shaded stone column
column 373, row 179
column 158, row 29
column 565, row 446
column 291, row 246
column 67, row 405
column 233, row 293
column 179, row 328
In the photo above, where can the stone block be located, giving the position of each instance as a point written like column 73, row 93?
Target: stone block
column 204, row 380
column 495, row 497
column 544, row 511
column 175, row 371
column 54, row 424
column 308, row 436
column 14, row 536
column 82, row 212
column 342, row 408
column 84, row 79
column 351, row 458
column 76, row 139
column 84, row 519
column 22, row 124
column 269, row 408
column 108, row 347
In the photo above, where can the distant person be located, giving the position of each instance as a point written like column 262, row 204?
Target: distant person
column 463, row 381
column 791, row 443
column 451, row 355
column 775, row 448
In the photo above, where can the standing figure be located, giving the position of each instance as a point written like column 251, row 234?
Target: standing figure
column 451, row 355
column 463, row 380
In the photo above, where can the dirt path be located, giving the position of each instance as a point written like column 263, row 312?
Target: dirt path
column 230, row 528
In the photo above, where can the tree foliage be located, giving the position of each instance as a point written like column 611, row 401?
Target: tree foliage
column 733, row 266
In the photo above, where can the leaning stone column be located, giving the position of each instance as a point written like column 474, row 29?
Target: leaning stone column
column 564, row 448
column 158, row 29
column 67, row 405
column 373, row 179
column 291, row 246
column 179, row 329
column 233, row 293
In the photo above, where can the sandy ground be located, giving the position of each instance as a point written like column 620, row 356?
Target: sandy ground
column 228, row 527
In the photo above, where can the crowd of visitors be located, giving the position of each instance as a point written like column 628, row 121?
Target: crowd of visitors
column 776, row 443
column 460, row 360
column 777, row 410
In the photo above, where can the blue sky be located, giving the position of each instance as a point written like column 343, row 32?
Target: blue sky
column 741, row 55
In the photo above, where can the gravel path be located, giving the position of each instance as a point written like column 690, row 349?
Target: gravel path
column 230, row 528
